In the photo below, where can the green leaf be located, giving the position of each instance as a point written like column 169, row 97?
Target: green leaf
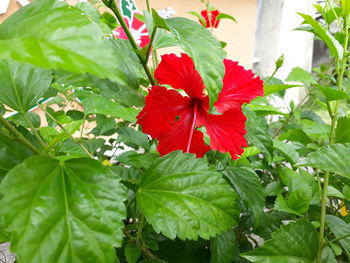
column 287, row 149
column 331, row 158
column 264, row 110
column 346, row 7
column 68, row 211
column 328, row 255
column 22, row 85
column 134, row 136
column 97, row 104
column 204, row 49
column 199, row 17
column 226, row 16
column 182, row 196
column 300, row 200
column 300, row 75
column 159, row 21
column 334, row 46
column 339, row 229
column 342, row 134
column 258, row 134
column 222, row 247
column 332, row 94
column 248, row 186
column 136, row 159
column 293, row 243
column 12, row 153
column 52, row 34
column 132, row 252
column 273, row 88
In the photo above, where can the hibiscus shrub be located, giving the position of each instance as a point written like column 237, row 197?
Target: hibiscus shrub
column 184, row 159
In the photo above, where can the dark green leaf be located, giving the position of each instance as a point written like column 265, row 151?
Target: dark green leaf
column 12, row 153
column 204, row 49
column 132, row 252
column 328, row 255
column 68, row 211
column 249, row 188
column 331, row 158
column 199, row 17
column 300, row 75
column 339, row 229
column 134, row 136
column 22, row 85
column 293, row 243
column 136, row 159
column 99, row 105
column 288, row 150
column 182, row 196
column 264, row 110
column 222, row 247
column 333, row 44
column 342, row 134
column 159, row 21
column 257, row 133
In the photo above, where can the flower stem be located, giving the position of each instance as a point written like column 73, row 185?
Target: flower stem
column 35, row 132
column 148, row 6
column 192, row 128
column 19, row 136
column 121, row 21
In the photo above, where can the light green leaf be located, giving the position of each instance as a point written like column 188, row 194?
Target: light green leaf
column 293, row 243
column 328, row 255
column 248, row 186
column 300, row 200
column 273, row 88
column 332, row 94
column 331, row 158
column 339, row 229
column 199, row 17
column 342, row 134
column 264, row 110
column 204, row 49
column 183, row 197
column 97, row 104
column 68, row 211
column 52, row 34
column 334, row 192
column 334, row 46
column 226, row 16
column 281, row 205
column 22, row 85
column 300, row 75
column 222, row 247
column 346, row 7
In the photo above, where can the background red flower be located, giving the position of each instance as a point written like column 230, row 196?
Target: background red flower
column 210, row 18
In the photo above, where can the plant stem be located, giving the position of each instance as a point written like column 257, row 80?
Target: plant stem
column 19, row 136
column 121, row 21
column 67, row 132
column 139, row 230
column 150, row 46
column 35, row 132
column 338, row 238
column 148, row 6
column 333, row 113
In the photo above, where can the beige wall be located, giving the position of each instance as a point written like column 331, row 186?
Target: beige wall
column 239, row 37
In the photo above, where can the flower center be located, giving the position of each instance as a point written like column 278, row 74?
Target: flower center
column 195, row 109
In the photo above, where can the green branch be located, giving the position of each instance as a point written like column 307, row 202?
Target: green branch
column 19, row 136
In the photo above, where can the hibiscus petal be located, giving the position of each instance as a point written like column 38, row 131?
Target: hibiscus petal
column 179, row 136
column 227, row 132
column 239, row 86
column 180, row 73
column 161, row 109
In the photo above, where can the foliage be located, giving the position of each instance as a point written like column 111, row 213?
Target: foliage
column 83, row 183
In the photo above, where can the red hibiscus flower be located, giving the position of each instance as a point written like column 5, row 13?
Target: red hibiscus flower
column 210, row 18
column 138, row 30
column 174, row 119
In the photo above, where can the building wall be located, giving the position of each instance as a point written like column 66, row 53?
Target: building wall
column 239, row 37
